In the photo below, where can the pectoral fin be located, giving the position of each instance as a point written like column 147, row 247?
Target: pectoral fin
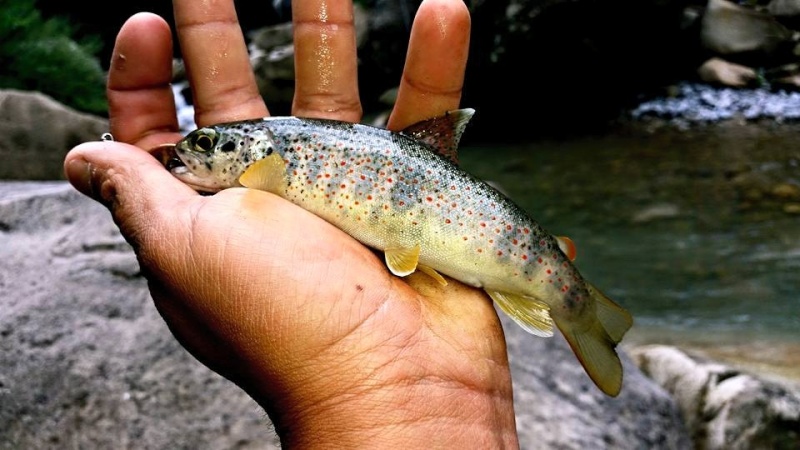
column 532, row 315
column 402, row 261
column 267, row 174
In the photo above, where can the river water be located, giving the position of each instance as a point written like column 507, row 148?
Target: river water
column 695, row 230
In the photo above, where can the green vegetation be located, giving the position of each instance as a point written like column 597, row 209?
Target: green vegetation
column 40, row 54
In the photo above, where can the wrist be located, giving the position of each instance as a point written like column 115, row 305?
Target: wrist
column 416, row 414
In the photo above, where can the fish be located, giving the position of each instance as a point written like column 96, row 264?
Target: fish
column 404, row 194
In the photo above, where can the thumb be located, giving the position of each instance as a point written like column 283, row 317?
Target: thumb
column 136, row 187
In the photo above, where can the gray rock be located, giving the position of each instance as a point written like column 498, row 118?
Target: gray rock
column 85, row 359
column 724, row 407
column 728, row 29
column 718, row 71
column 558, row 406
column 87, row 362
column 38, row 132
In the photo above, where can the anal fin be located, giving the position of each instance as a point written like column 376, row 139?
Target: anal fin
column 531, row 314
column 431, row 272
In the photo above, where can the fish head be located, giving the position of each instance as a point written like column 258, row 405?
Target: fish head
column 214, row 157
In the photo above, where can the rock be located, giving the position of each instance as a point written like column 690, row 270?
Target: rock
column 719, row 71
column 558, row 406
column 86, row 360
column 38, row 132
column 784, row 8
column 737, row 31
column 659, row 211
column 786, row 191
column 88, row 363
column 725, row 408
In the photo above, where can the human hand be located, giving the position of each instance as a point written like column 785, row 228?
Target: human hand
column 304, row 318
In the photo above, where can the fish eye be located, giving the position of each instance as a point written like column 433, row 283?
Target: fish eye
column 203, row 143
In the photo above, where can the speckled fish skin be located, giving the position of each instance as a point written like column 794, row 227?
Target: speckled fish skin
column 392, row 191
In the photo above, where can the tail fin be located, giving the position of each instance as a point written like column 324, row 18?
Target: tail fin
column 594, row 345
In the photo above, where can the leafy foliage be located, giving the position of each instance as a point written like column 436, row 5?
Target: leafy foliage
column 40, row 54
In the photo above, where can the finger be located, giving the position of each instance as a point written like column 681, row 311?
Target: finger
column 326, row 72
column 437, row 57
column 140, row 101
column 121, row 178
column 217, row 62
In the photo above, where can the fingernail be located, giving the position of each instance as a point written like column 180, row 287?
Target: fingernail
column 79, row 174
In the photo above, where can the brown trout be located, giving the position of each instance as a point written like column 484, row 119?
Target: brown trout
column 403, row 194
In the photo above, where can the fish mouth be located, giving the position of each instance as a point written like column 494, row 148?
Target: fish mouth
column 168, row 156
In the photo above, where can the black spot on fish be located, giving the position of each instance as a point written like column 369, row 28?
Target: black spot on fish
column 269, row 151
column 208, row 165
column 359, row 287
column 228, row 146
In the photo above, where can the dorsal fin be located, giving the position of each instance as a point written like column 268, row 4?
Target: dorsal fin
column 442, row 133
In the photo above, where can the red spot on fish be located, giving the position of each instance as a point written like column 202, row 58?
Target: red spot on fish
column 508, row 227
column 465, row 238
column 446, row 220
column 453, row 205
column 343, row 186
column 525, row 257
column 452, row 188
column 480, row 250
column 343, row 163
column 369, row 197
column 526, row 231
column 514, row 241
column 363, row 177
column 389, row 179
column 499, row 253
column 327, row 175
column 401, row 203
column 483, row 224
column 540, row 260
column 549, row 271
column 564, row 288
column 430, row 199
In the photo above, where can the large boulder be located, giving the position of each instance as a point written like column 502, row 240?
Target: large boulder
column 86, row 360
column 725, row 408
column 88, row 363
column 38, row 132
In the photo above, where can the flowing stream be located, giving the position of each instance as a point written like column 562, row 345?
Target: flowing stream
column 696, row 232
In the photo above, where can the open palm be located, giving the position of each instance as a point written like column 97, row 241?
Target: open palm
column 296, row 312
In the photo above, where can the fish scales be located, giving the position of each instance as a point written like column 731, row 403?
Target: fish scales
column 396, row 192
column 357, row 176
